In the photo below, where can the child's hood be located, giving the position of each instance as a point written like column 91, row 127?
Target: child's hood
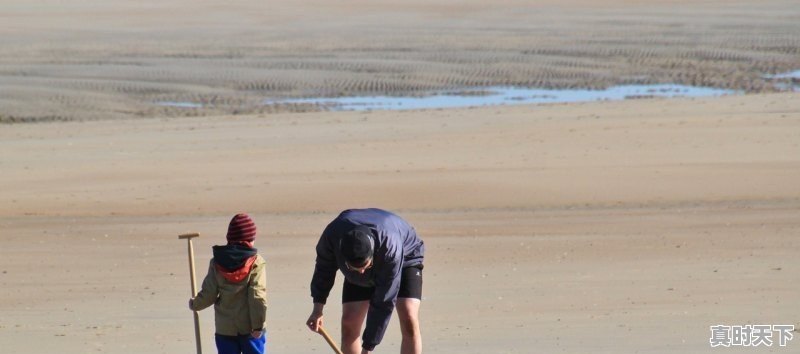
column 234, row 262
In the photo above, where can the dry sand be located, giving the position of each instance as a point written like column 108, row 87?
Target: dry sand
column 613, row 227
column 609, row 227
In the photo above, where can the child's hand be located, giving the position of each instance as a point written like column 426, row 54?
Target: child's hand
column 256, row 334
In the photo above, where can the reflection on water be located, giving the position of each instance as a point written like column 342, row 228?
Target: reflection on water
column 788, row 81
column 787, row 75
column 179, row 104
column 489, row 96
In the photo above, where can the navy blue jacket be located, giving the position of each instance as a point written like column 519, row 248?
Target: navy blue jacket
column 396, row 247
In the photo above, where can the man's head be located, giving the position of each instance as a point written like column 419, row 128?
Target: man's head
column 357, row 247
column 241, row 230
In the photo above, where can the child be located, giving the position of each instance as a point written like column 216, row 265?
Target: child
column 236, row 286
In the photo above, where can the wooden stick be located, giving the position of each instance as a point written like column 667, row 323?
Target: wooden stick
column 189, row 238
column 329, row 340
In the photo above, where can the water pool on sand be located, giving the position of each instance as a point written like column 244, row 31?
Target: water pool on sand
column 490, row 96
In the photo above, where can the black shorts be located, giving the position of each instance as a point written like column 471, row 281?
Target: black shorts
column 410, row 287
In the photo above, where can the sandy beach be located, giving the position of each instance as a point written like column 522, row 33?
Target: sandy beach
column 611, row 227
column 599, row 227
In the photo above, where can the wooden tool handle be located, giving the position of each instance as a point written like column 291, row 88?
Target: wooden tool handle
column 190, row 235
column 188, row 238
column 329, row 340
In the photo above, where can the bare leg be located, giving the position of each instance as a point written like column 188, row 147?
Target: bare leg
column 353, row 315
column 408, row 312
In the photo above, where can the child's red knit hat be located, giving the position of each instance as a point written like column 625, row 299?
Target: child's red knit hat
column 241, row 228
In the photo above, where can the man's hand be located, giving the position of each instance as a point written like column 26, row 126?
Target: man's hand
column 256, row 334
column 191, row 304
column 314, row 321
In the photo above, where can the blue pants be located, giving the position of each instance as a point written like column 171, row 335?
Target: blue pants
column 241, row 344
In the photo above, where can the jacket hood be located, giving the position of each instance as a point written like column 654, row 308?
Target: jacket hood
column 235, row 261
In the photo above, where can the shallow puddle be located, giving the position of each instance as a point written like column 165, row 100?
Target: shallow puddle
column 490, row 96
column 179, row 104
column 788, row 81
column 787, row 75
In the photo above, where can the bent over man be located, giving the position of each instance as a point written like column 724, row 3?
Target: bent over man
column 380, row 256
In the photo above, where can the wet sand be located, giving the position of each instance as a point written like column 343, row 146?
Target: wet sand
column 99, row 59
column 608, row 227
